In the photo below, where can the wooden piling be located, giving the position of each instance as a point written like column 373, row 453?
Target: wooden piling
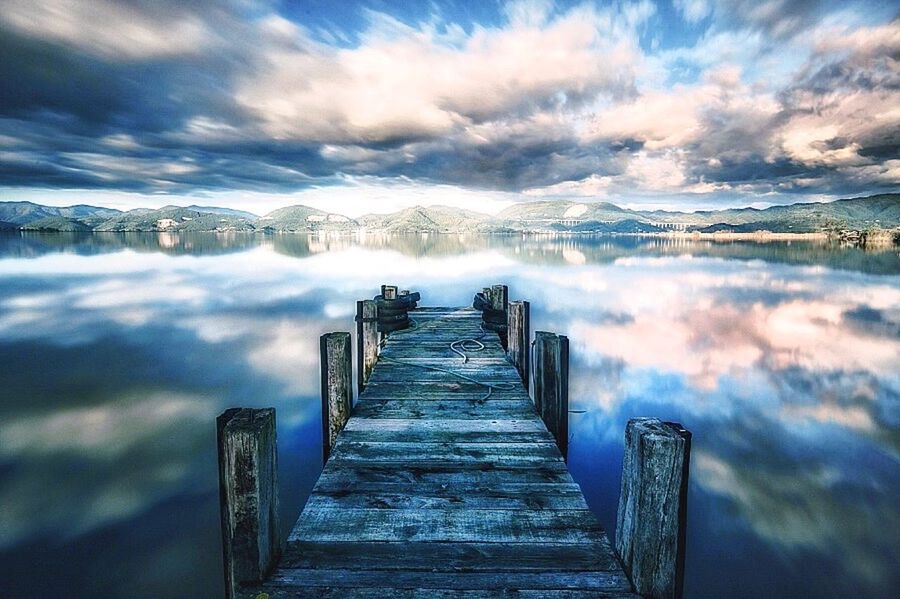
column 519, row 337
column 389, row 292
column 652, row 514
column 337, row 392
column 499, row 297
column 551, row 385
column 366, row 341
column 248, row 495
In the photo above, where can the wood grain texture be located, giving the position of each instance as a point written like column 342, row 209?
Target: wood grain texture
column 519, row 339
column 651, row 520
column 366, row 340
column 551, row 384
column 445, row 482
column 337, row 394
column 248, row 495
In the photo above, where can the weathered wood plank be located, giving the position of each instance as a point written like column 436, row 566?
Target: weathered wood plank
column 488, row 375
column 331, row 485
column 422, row 452
column 442, row 352
column 454, row 557
column 446, row 437
column 450, row 473
column 440, row 409
column 458, row 501
column 443, row 390
column 488, row 526
column 595, row 580
column 447, row 359
column 292, row 591
column 450, row 426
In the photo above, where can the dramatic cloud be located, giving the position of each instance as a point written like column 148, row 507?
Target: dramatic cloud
column 636, row 100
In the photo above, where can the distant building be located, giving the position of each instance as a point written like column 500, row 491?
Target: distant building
column 672, row 226
column 166, row 223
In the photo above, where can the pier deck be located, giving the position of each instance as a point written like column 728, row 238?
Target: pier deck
column 436, row 487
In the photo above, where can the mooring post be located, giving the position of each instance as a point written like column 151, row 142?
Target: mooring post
column 366, row 340
column 499, row 297
column 551, row 385
column 519, row 335
column 337, row 391
column 652, row 515
column 248, row 495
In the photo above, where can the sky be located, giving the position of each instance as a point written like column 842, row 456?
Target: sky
column 372, row 106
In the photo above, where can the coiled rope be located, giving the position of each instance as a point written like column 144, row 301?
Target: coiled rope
column 459, row 347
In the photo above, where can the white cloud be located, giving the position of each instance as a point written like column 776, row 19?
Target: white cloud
column 662, row 172
column 593, row 186
column 678, row 117
column 693, row 10
column 408, row 82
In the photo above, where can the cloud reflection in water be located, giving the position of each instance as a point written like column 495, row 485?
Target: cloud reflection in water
column 781, row 359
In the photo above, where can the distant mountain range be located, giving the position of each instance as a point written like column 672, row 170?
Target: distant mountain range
column 874, row 212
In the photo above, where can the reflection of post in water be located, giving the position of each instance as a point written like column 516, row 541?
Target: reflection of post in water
column 445, row 474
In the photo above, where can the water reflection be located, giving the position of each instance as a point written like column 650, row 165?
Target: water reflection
column 118, row 350
column 546, row 249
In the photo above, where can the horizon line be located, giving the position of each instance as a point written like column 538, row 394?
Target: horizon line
column 440, row 205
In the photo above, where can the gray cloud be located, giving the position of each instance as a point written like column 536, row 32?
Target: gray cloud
column 553, row 101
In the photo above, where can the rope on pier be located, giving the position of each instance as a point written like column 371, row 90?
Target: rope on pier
column 459, row 347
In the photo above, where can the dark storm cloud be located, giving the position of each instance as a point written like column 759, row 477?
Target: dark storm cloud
column 509, row 164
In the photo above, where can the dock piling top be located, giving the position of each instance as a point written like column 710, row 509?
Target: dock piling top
column 499, row 297
column 337, row 393
column 652, row 514
column 248, row 495
column 519, row 339
column 366, row 341
column 551, row 384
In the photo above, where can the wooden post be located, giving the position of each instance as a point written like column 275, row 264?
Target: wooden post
column 652, row 516
column 389, row 292
column 551, row 385
column 518, row 345
column 248, row 495
column 499, row 297
column 366, row 341
column 337, row 391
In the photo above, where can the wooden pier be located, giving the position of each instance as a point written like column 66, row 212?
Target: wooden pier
column 444, row 481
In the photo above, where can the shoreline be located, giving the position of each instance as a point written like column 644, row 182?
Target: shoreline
column 745, row 236
column 881, row 238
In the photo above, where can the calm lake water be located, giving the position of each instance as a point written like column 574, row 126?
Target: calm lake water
column 118, row 351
